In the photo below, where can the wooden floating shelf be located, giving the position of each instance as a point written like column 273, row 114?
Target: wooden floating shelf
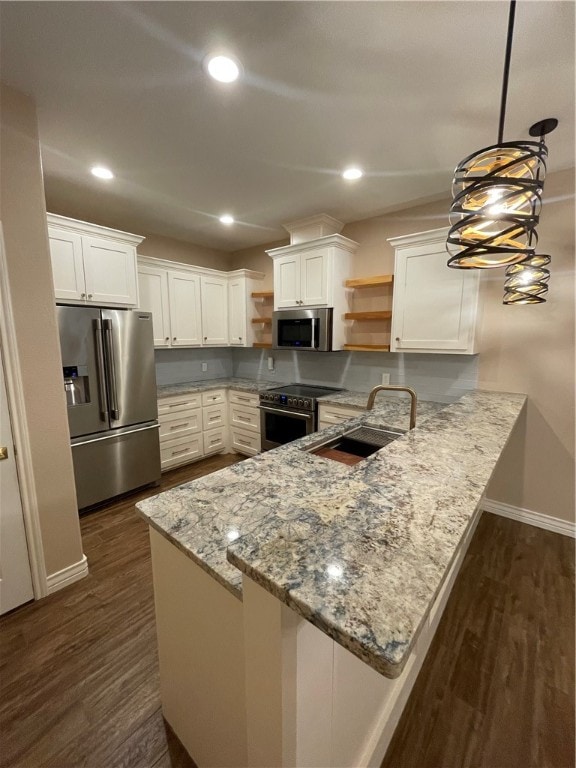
column 262, row 320
column 367, row 347
column 369, row 282
column 262, row 294
column 262, row 345
column 383, row 315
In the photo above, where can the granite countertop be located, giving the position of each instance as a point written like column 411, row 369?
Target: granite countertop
column 361, row 551
column 189, row 387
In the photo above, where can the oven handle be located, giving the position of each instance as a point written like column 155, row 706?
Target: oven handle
column 286, row 412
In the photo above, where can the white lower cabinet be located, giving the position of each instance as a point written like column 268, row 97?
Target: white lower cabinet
column 192, row 426
column 328, row 415
column 244, row 423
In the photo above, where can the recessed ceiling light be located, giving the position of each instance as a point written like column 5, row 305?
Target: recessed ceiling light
column 351, row 174
column 101, row 172
column 223, row 68
column 227, row 219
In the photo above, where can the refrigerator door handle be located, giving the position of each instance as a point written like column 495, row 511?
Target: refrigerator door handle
column 101, row 371
column 114, row 410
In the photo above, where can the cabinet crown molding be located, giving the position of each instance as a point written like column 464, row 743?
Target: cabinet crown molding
column 86, row 228
column 312, row 227
column 337, row 241
column 180, row 266
column 429, row 236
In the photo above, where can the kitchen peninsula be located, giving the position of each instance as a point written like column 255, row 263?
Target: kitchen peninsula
column 296, row 597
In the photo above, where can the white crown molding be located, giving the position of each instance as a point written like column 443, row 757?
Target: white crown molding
column 549, row 523
column 68, row 575
column 430, row 236
column 94, row 230
column 336, row 241
column 180, row 266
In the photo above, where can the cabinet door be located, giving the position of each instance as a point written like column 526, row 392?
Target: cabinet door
column 153, row 290
column 185, row 320
column 237, row 321
column 214, row 311
column 67, row 264
column 110, row 270
column 434, row 307
column 286, row 282
column 314, row 279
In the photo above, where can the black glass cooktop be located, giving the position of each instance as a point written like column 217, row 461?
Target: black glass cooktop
column 303, row 390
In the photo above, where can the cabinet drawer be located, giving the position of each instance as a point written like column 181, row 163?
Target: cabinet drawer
column 181, row 451
column 247, row 443
column 180, row 424
column 214, row 416
column 245, row 418
column 250, row 399
column 214, row 440
column 334, row 415
column 214, row 398
column 178, row 403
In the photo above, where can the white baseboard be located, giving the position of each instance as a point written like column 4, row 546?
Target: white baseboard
column 556, row 524
column 68, row 575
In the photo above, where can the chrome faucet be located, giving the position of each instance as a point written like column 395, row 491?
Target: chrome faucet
column 395, row 388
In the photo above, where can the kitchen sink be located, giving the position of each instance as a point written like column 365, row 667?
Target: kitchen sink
column 356, row 445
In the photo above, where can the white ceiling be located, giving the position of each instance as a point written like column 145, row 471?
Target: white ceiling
column 403, row 89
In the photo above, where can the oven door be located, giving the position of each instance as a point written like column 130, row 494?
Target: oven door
column 279, row 426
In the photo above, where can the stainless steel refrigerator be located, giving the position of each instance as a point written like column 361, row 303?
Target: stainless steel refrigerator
column 110, row 385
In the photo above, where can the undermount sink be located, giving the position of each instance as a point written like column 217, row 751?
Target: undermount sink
column 358, row 444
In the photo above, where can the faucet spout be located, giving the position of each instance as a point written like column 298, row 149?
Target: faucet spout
column 395, row 388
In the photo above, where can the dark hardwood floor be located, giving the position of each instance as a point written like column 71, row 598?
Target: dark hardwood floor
column 79, row 669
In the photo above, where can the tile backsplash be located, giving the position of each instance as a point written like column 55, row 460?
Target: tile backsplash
column 443, row 378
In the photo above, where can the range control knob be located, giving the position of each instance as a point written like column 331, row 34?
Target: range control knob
column 276, row 397
column 290, row 401
column 300, row 403
column 306, row 403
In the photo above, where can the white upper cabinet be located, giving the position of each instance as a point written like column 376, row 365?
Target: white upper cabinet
column 153, row 289
column 311, row 274
column 194, row 306
column 185, row 309
column 434, row 307
column 92, row 264
column 214, row 291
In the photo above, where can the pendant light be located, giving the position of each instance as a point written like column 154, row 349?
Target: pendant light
column 497, row 193
column 527, row 282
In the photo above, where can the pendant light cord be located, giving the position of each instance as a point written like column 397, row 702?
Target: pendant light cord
column 506, row 70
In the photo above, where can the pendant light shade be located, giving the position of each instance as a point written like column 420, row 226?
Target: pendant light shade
column 497, row 193
column 527, row 282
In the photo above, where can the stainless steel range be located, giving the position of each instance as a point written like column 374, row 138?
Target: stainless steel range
column 289, row 412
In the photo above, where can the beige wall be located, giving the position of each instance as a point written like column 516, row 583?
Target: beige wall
column 531, row 349
column 187, row 253
column 23, row 215
column 523, row 349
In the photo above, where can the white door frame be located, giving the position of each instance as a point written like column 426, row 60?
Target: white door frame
column 20, row 433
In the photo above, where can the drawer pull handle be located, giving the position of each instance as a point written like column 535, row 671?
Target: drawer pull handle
column 179, row 426
column 242, row 418
column 183, row 450
column 243, row 442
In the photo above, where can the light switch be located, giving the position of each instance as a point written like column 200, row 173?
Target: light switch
column 270, row 363
column 385, row 378
column 204, row 367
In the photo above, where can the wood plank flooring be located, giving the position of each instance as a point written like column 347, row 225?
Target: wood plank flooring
column 79, row 669
column 497, row 687
column 79, row 681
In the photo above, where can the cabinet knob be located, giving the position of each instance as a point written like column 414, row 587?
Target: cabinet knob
column 205, row 338
column 239, row 338
column 397, row 338
column 174, row 338
column 89, row 295
column 82, row 295
column 167, row 338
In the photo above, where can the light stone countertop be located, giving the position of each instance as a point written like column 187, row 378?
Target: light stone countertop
column 190, row 387
column 360, row 552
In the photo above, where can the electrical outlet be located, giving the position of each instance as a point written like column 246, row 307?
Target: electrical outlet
column 385, row 378
column 270, row 363
column 204, row 367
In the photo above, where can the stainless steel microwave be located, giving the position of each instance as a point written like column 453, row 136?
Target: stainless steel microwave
column 302, row 329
